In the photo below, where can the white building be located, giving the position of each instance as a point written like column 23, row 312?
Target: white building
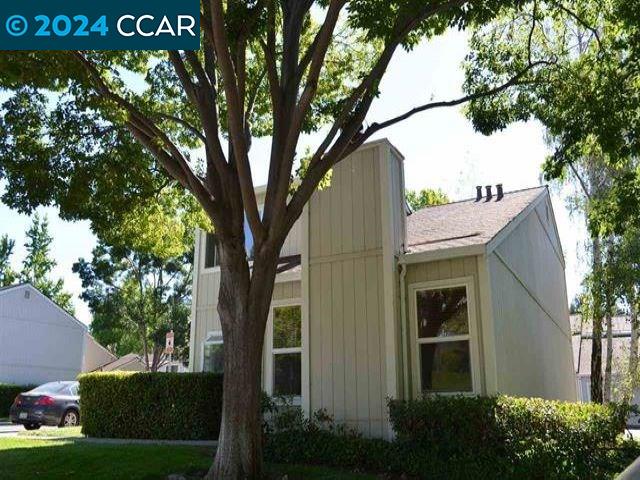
column 40, row 342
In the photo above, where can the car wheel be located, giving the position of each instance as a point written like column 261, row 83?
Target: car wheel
column 31, row 426
column 70, row 419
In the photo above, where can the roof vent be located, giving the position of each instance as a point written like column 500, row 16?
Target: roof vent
column 27, row 294
column 500, row 192
column 489, row 194
column 478, row 193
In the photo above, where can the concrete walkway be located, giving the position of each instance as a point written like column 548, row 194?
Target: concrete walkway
column 126, row 441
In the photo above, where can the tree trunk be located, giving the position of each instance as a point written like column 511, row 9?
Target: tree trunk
column 608, row 360
column 596, row 343
column 633, row 353
column 243, row 306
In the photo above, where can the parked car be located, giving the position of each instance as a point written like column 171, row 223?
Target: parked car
column 53, row 404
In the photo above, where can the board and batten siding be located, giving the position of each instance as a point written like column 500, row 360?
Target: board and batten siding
column 441, row 270
column 348, row 358
column 348, row 238
column 530, row 310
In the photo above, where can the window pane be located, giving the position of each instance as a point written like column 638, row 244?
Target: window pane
column 442, row 312
column 214, row 357
column 287, row 374
column 287, row 327
column 211, row 251
column 445, row 367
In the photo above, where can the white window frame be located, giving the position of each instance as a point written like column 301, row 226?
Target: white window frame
column 219, row 340
column 471, row 337
column 270, row 351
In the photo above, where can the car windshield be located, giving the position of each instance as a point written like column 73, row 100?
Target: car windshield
column 50, row 388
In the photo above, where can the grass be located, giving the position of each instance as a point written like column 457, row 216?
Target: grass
column 62, row 459
column 68, row 432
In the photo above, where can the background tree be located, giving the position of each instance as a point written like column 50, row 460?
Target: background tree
column 8, row 276
column 97, row 146
column 136, row 299
column 425, row 198
column 37, row 264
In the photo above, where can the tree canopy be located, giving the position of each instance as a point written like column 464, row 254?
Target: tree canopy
column 587, row 98
column 425, row 198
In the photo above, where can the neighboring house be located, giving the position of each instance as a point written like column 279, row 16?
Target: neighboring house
column 132, row 362
column 95, row 355
column 582, row 335
column 374, row 302
column 39, row 341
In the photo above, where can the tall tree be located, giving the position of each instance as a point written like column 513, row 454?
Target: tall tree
column 425, row 198
column 265, row 68
column 8, row 275
column 38, row 264
column 136, row 299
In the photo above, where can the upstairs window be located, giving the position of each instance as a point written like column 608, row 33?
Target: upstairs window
column 213, row 353
column 211, row 253
column 443, row 340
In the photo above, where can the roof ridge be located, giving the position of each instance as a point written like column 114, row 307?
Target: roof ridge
column 474, row 199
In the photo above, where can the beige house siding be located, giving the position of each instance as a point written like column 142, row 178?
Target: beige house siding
column 530, row 311
column 347, row 345
column 439, row 270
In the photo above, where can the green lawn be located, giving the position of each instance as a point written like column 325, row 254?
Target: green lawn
column 22, row 458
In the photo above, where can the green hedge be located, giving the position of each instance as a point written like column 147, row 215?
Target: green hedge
column 178, row 406
column 8, row 393
column 467, row 437
column 518, row 437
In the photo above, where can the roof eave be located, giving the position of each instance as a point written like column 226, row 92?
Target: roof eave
column 442, row 254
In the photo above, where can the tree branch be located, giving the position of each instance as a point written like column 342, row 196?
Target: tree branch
column 185, row 124
column 236, row 121
column 582, row 22
column 452, row 103
column 145, row 131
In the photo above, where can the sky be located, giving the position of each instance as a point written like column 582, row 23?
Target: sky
column 440, row 147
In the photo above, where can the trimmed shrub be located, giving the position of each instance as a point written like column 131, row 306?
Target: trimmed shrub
column 464, row 437
column 8, row 393
column 177, row 406
column 517, row 437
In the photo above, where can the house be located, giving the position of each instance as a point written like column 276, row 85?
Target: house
column 582, row 337
column 40, row 342
column 380, row 302
column 132, row 362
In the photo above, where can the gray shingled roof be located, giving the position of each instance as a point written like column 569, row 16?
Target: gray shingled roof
column 465, row 223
